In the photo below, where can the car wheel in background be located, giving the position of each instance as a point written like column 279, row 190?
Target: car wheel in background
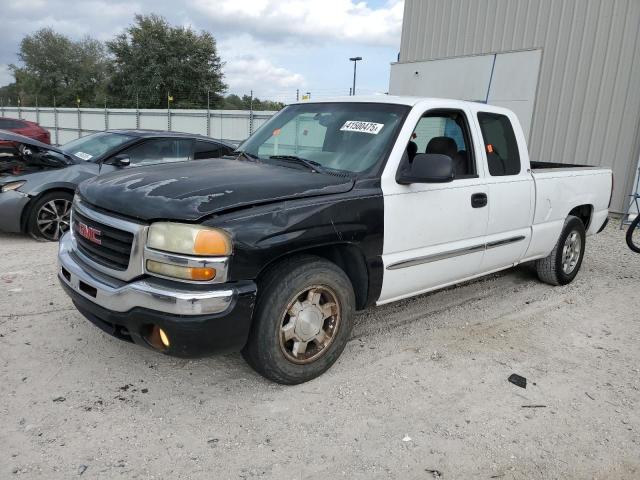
column 50, row 215
column 633, row 235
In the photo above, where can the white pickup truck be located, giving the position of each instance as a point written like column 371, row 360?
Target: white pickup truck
column 330, row 207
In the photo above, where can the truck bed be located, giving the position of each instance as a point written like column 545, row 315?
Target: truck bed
column 542, row 166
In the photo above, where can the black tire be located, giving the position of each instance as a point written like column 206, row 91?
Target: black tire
column 552, row 269
column 634, row 228
column 53, row 207
column 279, row 291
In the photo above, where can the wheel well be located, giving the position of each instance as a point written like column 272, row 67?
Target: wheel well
column 27, row 210
column 583, row 212
column 348, row 257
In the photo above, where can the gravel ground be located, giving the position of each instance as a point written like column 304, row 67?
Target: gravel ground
column 420, row 392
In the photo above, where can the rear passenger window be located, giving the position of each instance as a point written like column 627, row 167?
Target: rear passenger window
column 208, row 150
column 500, row 143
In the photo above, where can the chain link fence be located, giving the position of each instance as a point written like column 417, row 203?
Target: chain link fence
column 232, row 118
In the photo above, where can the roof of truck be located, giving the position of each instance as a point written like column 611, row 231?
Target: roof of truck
column 412, row 101
column 382, row 98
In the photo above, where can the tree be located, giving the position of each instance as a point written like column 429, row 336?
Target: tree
column 152, row 60
column 9, row 95
column 55, row 66
column 234, row 102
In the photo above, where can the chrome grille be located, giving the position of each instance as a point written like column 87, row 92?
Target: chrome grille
column 114, row 247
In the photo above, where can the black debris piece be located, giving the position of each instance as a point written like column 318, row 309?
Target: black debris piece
column 517, row 380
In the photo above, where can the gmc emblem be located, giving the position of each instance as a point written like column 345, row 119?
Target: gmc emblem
column 90, row 233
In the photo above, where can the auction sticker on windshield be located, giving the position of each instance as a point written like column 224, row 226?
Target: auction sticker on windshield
column 83, row 156
column 363, row 127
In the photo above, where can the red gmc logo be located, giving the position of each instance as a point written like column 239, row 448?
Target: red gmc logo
column 91, row 234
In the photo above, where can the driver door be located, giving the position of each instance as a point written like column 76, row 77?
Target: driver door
column 434, row 234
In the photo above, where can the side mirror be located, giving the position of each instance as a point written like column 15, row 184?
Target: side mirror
column 121, row 160
column 427, row 168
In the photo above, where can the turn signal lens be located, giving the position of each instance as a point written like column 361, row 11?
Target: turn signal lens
column 189, row 239
column 212, row 242
column 202, row 274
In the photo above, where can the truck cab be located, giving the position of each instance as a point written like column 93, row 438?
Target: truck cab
column 330, row 207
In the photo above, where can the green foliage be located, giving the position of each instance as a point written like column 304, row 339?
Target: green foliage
column 234, row 102
column 60, row 68
column 9, row 95
column 153, row 60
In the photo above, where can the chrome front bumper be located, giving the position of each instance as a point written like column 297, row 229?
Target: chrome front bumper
column 120, row 296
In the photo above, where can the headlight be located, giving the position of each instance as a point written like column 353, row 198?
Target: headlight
column 12, row 186
column 189, row 239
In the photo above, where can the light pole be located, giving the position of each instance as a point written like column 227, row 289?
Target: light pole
column 355, row 61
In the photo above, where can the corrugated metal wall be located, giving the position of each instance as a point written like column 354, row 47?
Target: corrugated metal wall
column 587, row 107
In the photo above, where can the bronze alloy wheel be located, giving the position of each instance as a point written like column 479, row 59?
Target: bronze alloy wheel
column 309, row 324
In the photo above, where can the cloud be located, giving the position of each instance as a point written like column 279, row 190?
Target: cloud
column 6, row 76
column 274, row 20
column 266, row 44
column 251, row 72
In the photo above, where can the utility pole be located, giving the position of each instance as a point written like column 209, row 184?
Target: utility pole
column 355, row 61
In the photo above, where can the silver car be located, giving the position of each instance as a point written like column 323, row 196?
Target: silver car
column 37, row 181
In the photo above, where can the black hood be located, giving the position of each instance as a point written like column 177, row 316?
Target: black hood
column 192, row 190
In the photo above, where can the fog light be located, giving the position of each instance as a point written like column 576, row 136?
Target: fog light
column 156, row 337
column 163, row 337
column 185, row 273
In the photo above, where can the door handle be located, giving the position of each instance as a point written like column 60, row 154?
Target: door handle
column 479, row 200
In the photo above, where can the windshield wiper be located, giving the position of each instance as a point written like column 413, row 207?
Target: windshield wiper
column 248, row 156
column 310, row 164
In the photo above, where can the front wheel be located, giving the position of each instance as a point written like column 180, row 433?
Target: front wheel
column 563, row 264
column 49, row 216
column 303, row 319
column 633, row 235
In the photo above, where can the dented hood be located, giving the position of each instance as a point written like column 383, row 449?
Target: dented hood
column 190, row 191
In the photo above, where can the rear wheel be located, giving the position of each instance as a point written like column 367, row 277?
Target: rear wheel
column 304, row 315
column 564, row 262
column 633, row 234
column 49, row 216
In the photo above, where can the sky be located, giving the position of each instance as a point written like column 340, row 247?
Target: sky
column 272, row 47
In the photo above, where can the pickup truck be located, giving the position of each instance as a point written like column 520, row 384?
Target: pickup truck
column 330, row 207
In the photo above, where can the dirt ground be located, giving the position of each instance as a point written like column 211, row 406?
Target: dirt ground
column 420, row 392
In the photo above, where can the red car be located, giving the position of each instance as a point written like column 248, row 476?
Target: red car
column 26, row 128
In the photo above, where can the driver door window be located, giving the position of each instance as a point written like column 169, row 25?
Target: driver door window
column 160, row 150
column 446, row 134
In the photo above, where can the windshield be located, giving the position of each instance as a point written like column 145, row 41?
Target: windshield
column 95, row 145
column 352, row 137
